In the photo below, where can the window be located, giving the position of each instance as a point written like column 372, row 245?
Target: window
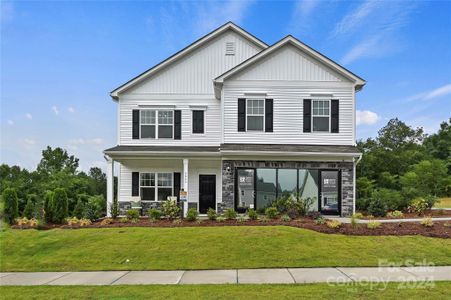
column 320, row 115
column 255, row 114
column 266, row 187
column 287, row 182
column 198, row 121
column 155, row 186
column 157, row 127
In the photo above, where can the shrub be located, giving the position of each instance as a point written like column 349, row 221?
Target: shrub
column 154, row 214
column 303, row 205
column 123, row 220
column 133, row 214
column 377, row 207
column 192, row 214
column 59, row 206
column 177, row 221
column 11, row 210
column 418, row 206
column 271, row 212
column 392, row 199
column 220, row 219
column 353, row 221
column 170, row 209
column 362, row 203
column 230, row 214
column 242, row 219
column 79, row 209
column 48, row 202
column 28, row 211
column 114, row 209
column 427, row 222
column 211, row 213
column 285, row 218
column 431, row 200
column 314, row 214
column 334, row 224
column 320, row 221
column 395, row 214
column 106, row 221
column 282, row 204
column 293, row 213
column 373, row 225
column 358, row 215
column 72, row 221
column 21, row 221
column 84, row 222
column 252, row 214
column 95, row 207
column 263, row 219
column 27, row 223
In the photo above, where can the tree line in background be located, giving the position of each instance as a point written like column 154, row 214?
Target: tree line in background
column 54, row 191
column 402, row 167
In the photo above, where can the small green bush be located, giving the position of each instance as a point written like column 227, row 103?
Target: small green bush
column 211, row 213
column 242, row 219
column 358, row 215
column 393, row 199
column 334, row 224
column 285, row 218
column 395, row 214
column 230, row 214
column 11, row 211
column 170, row 209
column 154, row 214
column 427, row 222
column 133, row 214
column 377, row 207
column 320, row 221
column 28, row 211
column 192, row 214
column 271, row 212
column 252, row 214
column 59, row 206
column 123, row 220
column 418, row 206
column 373, row 225
column 220, row 219
column 79, row 209
column 114, row 209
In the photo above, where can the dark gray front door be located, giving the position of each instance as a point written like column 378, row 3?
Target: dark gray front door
column 207, row 193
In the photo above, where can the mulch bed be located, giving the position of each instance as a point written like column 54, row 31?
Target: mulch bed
column 408, row 228
column 438, row 213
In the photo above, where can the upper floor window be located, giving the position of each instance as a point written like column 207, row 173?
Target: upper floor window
column 156, row 186
column 320, row 115
column 198, row 121
column 157, row 123
column 255, row 114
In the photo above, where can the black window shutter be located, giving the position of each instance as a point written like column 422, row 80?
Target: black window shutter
column 177, row 179
column 334, row 116
column 198, row 121
column 241, row 114
column 135, row 183
column 268, row 115
column 135, row 124
column 307, row 115
column 177, row 124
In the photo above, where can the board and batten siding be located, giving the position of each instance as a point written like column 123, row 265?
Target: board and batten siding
column 194, row 73
column 288, row 112
column 196, row 168
column 185, row 103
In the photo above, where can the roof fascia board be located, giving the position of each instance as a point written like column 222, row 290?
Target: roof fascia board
column 290, row 39
column 115, row 93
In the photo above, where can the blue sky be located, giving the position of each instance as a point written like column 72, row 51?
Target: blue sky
column 59, row 60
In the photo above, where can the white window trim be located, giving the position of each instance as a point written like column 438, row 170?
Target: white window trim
column 156, row 187
column 192, row 123
column 257, row 115
column 156, row 124
column 330, row 115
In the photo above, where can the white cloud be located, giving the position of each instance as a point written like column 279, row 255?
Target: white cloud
column 302, row 10
column 29, row 142
column 71, row 109
column 429, row 95
column 55, row 110
column 362, row 49
column 10, row 122
column 366, row 117
column 354, row 19
column 82, row 141
column 28, row 116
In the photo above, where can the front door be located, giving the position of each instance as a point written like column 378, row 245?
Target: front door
column 330, row 202
column 207, row 193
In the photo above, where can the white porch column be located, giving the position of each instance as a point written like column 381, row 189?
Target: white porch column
column 185, row 185
column 109, row 185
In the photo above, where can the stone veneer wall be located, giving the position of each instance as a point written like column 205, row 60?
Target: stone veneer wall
column 228, row 179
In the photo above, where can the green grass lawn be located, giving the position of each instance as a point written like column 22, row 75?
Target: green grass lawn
column 444, row 203
column 440, row 290
column 206, row 248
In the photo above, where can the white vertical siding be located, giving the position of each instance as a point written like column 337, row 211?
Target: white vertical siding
column 288, row 112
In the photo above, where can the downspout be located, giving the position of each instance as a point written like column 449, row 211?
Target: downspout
column 354, row 180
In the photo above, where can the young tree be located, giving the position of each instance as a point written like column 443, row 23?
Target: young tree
column 59, row 206
column 29, row 209
column 48, row 203
column 79, row 209
column 11, row 211
column 56, row 160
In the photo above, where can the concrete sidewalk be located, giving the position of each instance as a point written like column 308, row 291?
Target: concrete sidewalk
column 240, row 276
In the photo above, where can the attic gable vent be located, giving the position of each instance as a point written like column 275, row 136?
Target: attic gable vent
column 230, row 48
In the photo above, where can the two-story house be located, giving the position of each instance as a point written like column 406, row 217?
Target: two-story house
column 237, row 123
